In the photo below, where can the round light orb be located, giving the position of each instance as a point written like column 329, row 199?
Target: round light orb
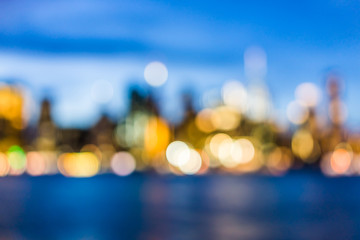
column 36, row 163
column 193, row 165
column 247, row 151
column 340, row 161
column 82, row 164
column 178, row 153
column 297, row 112
column 123, row 163
column 234, row 94
column 308, row 93
column 302, row 144
column 219, row 144
column 16, row 157
column 155, row 74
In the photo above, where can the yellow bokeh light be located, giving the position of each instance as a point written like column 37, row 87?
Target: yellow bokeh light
column 247, row 151
column 231, row 152
column 279, row 160
column 157, row 135
column 224, row 153
column 225, row 118
column 11, row 106
column 203, row 121
column 216, row 142
column 251, row 158
column 93, row 149
column 302, row 144
column 240, row 151
column 84, row 164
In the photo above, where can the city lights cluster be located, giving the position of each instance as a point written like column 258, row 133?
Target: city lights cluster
column 235, row 132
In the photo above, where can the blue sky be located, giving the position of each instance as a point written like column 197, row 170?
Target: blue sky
column 65, row 46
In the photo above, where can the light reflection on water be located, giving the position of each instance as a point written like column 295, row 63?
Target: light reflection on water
column 303, row 206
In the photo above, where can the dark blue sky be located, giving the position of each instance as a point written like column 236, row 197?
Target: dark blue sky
column 67, row 45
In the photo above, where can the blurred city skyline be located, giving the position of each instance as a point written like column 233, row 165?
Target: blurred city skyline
column 66, row 47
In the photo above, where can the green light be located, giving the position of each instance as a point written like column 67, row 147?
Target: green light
column 16, row 157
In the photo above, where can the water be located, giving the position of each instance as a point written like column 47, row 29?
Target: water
column 297, row 206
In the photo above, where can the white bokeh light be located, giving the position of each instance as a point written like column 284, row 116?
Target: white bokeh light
column 155, row 74
column 123, row 163
column 308, row 93
column 297, row 112
column 234, row 94
column 177, row 153
column 193, row 164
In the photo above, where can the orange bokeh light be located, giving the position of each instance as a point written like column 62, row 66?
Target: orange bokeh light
column 340, row 161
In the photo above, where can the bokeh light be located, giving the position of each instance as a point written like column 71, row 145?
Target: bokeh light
column 4, row 165
column 247, row 151
column 218, row 144
column 302, row 144
column 203, row 120
column 259, row 103
column 297, row 112
column 193, row 164
column 123, row 163
column 308, row 93
column 225, row 118
column 156, row 74
column 36, row 163
column 178, row 153
column 279, row 160
column 157, row 135
column 17, row 158
column 84, row 164
column 340, row 161
column 235, row 129
column 234, row 94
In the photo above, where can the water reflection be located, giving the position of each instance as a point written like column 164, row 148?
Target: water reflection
column 152, row 207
